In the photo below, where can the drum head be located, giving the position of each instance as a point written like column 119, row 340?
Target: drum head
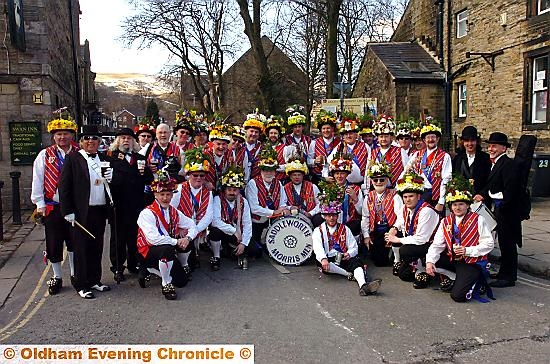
column 288, row 240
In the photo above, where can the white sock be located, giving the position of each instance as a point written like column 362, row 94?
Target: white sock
column 216, row 247
column 56, row 269
column 154, row 271
column 448, row 273
column 182, row 257
column 333, row 268
column 396, row 255
column 71, row 262
column 165, row 268
column 359, row 275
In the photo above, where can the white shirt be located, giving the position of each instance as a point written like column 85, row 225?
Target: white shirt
column 38, row 170
column 97, row 187
column 321, row 242
column 251, row 193
column 446, row 172
column 365, row 221
column 496, row 195
column 206, row 220
column 471, row 159
column 355, row 176
column 316, row 193
column 148, row 224
column 229, row 229
column 485, row 245
column 311, row 151
column 427, row 223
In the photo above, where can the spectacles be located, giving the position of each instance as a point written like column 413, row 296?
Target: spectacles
column 198, row 175
column 379, row 180
column 146, row 136
column 90, row 137
column 184, row 132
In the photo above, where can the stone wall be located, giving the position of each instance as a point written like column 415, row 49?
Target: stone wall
column 46, row 67
column 412, row 99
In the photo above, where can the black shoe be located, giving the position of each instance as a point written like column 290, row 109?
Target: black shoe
column 422, row 280
column 86, row 294
column 396, row 267
column 119, row 277
column 143, row 277
column 169, row 292
column 446, row 284
column 54, row 285
column 370, row 288
column 215, row 263
column 133, row 270
column 73, row 281
column 100, row 287
column 501, row 283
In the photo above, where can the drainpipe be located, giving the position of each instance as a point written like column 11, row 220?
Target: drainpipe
column 448, row 81
column 78, row 93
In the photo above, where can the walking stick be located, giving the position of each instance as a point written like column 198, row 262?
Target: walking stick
column 113, row 227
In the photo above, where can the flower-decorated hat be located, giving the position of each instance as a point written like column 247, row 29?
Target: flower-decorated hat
column 324, row 117
column 430, row 126
column 459, row 189
column 296, row 119
column 185, row 119
column 221, row 132
column 268, row 158
column 201, row 125
column 163, row 182
column 404, row 128
column 296, row 165
column 196, row 160
column 348, row 123
column 411, row 182
column 255, row 120
column 233, row 177
column 330, row 198
column 275, row 122
column 145, row 126
column 379, row 169
column 384, row 124
column 238, row 132
column 341, row 162
column 62, row 122
column 367, row 121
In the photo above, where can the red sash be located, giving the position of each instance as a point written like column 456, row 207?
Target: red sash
column 360, row 155
column 263, row 193
column 239, row 155
column 338, row 236
column 352, row 212
column 306, row 195
column 435, row 162
column 320, row 150
column 254, row 169
column 386, row 207
column 215, row 172
column 172, row 227
column 171, row 150
column 393, row 159
column 415, row 221
column 304, row 141
column 280, row 176
column 234, row 217
column 186, row 205
column 185, row 147
column 468, row 232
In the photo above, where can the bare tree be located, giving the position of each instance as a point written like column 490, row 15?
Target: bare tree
column 195, row 34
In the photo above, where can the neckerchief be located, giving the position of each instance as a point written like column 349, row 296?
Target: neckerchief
column 410, row 228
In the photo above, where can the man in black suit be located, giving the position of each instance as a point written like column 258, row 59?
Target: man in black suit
column 83, row 196
column 132, row 175
column 471, row 162
column 504, row 191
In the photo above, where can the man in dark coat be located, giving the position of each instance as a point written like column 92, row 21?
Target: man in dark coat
column 504, row 192
column 132, row 176
column 471, row 162
column 84, row 199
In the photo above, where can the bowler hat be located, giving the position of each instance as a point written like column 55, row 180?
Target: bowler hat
column 498, row 138
column 469, row 133
column 89, row 130
column 125, row 131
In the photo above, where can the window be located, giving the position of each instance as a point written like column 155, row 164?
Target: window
column 462, row 24
column 543, row 6
column 539, row 90
column 462, row 108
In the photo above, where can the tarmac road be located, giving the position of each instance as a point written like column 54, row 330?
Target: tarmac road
column 290, row 314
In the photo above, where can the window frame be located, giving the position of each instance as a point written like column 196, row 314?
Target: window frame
column 528, row 86
column 460, row 21
column 462, row 101
column 538, row 11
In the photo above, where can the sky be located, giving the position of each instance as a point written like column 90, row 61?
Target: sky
column 100, row 23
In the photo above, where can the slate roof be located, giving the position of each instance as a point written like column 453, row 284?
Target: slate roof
column 407, row 61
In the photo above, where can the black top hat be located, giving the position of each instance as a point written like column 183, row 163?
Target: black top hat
column 125, row 131
column 498, row 138
column 89, row 130
column 469, row 133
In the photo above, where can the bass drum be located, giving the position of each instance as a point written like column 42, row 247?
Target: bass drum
column 289, row 240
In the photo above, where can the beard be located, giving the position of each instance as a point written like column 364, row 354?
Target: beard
column 379, row 189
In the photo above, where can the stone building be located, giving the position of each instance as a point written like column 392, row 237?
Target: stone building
column 41, row 70
column 240, row 83
column 496, row 56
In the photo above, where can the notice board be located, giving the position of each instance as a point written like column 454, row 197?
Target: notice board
column 25, row 142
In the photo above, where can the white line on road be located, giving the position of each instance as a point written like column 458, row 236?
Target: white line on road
column 521, row 278
column 334, row 321
column 533, row 285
